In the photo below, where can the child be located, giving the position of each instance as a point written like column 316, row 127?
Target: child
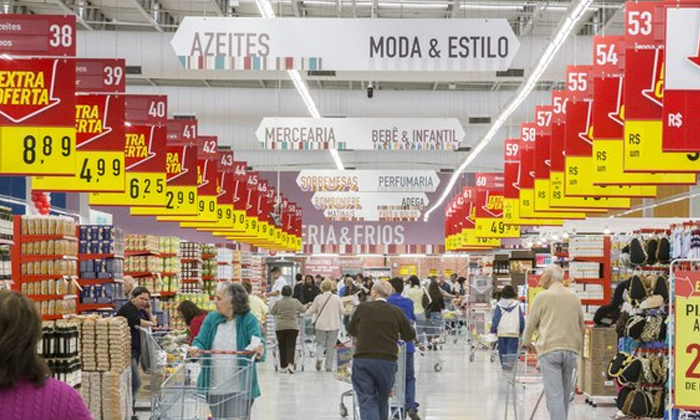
column 508, row 324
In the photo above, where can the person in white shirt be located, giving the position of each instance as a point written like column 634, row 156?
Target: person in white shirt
column 327, row 310
column 278, row 282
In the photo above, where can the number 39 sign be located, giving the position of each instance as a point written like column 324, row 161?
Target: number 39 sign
column 687, row 340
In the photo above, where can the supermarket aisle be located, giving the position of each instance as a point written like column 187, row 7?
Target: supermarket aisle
column 461, row 391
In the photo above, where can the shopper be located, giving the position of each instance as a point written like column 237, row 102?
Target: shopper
column 309, row 290
column 459, row 289
column 318, row 280
column 433, row 314
column 193, row 316
column 406, row 306
column 445, row 285
column 348, row 288
column 508, row 324
column 416, row 292
column 26, row 392
column 286, row 312
column 298, row 283
column 377, row 326
column 138, row 314
column 278, row 282
column 232, row 327
column 129, row 284
column 556, row 315
column 327, row 310
column 257, row 306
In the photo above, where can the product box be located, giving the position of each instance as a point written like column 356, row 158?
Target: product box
column 596, row 384
column 599, row 343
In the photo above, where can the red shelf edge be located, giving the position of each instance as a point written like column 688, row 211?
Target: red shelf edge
column 143, row 252
column 191, row 260
column 140, row 273
column 208, row 256
column 40, row 238
column 88, row 257
column 191, row 280
column 93, row 306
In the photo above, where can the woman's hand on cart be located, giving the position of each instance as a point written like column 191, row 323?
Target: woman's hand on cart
column 193, row 351
column 530, row 347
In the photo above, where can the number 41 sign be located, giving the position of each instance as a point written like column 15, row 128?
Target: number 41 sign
column 687, row 339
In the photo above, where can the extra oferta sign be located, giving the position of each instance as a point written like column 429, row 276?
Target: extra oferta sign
column 345, row 44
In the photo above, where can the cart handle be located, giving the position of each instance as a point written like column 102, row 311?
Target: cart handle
column 233, row 352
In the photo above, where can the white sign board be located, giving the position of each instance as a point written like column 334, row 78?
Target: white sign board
column 372, row 215
column 366, row 201
column 368, row 181
column 224, row 43
column 360, row 133
column 682, row 49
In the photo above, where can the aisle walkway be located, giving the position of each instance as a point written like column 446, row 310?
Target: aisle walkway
column 463, row 391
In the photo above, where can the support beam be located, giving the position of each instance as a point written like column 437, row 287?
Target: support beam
column 354, row 8
column 295, row 8
column 375, row 8
column 435, row 86
column 453, row 9
column 148, row 7
column 71, row 11
column 339, row 8
column 219, row 6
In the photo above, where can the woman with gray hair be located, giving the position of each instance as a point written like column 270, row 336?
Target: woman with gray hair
column 232, row 327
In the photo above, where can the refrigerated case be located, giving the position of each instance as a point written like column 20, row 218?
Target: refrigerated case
column 288, row 268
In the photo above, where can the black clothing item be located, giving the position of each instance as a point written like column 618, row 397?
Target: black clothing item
column 133, row 317
column 308, row 294
column 287, row 342
column 296, row 294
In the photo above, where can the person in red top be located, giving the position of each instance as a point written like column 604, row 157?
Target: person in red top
column 193, row 316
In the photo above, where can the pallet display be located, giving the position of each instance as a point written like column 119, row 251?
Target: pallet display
column 224, row 264
column 101, row 267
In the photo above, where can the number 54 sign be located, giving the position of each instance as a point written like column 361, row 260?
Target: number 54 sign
column 687, row 339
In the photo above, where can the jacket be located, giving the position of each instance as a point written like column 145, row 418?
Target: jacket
column 416, row 295
column 329, row 319
column 508, row 319
column 286, row 312
column 247, row 326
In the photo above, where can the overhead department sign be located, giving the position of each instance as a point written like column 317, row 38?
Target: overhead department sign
column 345, row 44
column 368, row 181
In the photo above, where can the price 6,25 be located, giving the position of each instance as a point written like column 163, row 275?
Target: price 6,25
column 100, row 168
column 43, row 149
column 143, row 188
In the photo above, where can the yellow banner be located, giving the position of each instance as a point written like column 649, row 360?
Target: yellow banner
column 558, row 198
column 95, row 171
column 206, row 209
column 145, row 189
column 535, row 203
column 687, row 345
column 644, row 150
column 469, row 239
column 511, row 215
column 181, row 201
column 495, row 228
column 579, row 182
column 37, row 150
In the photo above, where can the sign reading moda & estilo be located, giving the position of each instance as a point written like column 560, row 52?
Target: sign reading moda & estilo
column 360, row 133
column 223, row 43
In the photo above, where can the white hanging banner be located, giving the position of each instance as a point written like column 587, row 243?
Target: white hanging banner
column 360, row 133
column 372, row 215
column 368, row 181
column 226, row 43
column 367, row 201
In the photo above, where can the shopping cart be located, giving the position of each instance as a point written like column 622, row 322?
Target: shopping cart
column 479, row 317
column 397, row 400
column 210, row 385
column 304, row 344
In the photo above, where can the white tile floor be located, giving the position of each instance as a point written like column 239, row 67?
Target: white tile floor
column 463, row 390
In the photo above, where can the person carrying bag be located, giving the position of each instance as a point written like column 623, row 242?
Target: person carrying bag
column 328, row 310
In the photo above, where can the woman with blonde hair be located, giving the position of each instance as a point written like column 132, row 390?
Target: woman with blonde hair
column 328, row 310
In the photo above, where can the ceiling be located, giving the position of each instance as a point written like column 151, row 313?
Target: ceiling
column 231, row 104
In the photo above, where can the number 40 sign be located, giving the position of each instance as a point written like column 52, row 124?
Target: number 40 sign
column 687, row 339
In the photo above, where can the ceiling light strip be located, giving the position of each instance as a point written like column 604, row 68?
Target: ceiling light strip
column 565, row 28
column 336, row 158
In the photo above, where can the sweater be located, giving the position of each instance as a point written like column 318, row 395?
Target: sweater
column 329, row 318
column 416, row 295
column 378, row 326
column 54, row 400
column 286, row 312
column 247, row 326
column 406, row 306
column 557, row 316
column 196, row 325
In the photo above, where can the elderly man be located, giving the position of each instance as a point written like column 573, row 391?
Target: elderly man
column 377, row 325
column 129, row 284
column 556, row 315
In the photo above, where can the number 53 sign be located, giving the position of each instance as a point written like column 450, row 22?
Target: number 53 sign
column 687, row 339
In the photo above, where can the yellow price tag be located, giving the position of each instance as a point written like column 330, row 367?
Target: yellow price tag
column 644, row 150
column 495, row 228
column 468, row 238
column 536, row 208
column 179, row 200
column 141, row 189
column 95, row 171
column 558, row 197
column 37, row 150
column 206, row 213
column 511, row 215
column 608, row 168
column 579, row 182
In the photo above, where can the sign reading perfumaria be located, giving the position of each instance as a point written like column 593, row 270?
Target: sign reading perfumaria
column 324, row 44
column 368, row 181
column 360, row 133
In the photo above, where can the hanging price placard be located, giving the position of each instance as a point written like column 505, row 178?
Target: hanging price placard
column 100, row 75
column 687, row 340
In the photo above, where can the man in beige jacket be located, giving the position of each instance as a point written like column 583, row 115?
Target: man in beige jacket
column 556, row 315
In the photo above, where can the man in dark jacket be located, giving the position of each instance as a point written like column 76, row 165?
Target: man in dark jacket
column 298, row 284
column 377, row 325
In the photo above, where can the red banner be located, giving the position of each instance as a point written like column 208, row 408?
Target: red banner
column 100, row 75
column 99, row 123
column 147, row 109
column 38, row 35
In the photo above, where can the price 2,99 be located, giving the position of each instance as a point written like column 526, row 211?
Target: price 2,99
column 45, row 148
column 178, row 199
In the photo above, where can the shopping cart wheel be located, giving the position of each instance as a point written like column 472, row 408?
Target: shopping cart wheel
column 493, row 357
column 471, row 357
column 438, row 367
column 343, row 410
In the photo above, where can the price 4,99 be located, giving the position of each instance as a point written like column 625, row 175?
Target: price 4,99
column 95, row 170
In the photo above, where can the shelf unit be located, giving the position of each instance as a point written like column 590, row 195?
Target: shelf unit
column 119, row 254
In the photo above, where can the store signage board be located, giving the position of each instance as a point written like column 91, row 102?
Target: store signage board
column 37, row 114
column 686, row 345
column 488, row 206
column 373, row 215
column 100, row 75
column 681, row 115
column 324, row 200
column 461, row 220
column 223, row 204
column 321, row 44
column 229, row 217
column 100, row 139
column 644, row 93
column 145, row 154
column 360, row 133
column 368, row 181
column 38, row 35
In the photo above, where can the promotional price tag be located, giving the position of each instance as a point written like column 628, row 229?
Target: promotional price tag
column 100, row 75
column 687, row 339
column 38, row 35
column 37, row 150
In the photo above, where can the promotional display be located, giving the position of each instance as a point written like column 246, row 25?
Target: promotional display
column 686, row 346
column 368, row 181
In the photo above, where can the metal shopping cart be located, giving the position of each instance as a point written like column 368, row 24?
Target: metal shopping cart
column 304, row 345
column 397, row 400
column 211, row 385
column 479, row 316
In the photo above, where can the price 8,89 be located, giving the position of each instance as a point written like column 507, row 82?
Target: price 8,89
column 37, row 150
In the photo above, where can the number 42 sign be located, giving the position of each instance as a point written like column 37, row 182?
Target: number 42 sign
column 687, row 339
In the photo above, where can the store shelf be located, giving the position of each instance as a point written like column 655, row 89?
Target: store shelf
column 597, row 302
column 561, row 254
column 40, row 238
column 191, row 260
column 578, row 280
column 41, row 277
column 191, row 280
column 37, row 258
column 166, row 294
column 139, row 273
column 43, row 298
column 7, row 242
column 600, row 260
column 95, row 306
column 208, row 256
column 87, row 257
column 168, row 254
column 88, row 282
column 224, row 263
column 143, row 252
column 169, row 273
column 208, row 277
column 54, row 317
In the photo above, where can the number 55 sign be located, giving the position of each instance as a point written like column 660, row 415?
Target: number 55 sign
column 687, row 340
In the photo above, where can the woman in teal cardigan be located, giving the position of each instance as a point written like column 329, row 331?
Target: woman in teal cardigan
column 231, row 327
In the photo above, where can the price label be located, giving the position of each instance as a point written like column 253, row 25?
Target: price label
column 495, row 228
column 38, row 35
column 687, row 339
column 469, row 238
column 141, row 189
column 511, row 216
column 579, row 182
column 179, row 201
column 37, row 150
column 96, row 171
column 539, row 201
column 644, row 150
column 558, row 197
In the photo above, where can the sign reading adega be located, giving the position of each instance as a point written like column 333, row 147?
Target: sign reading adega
column 323, row 44
column 368, row 181
column 362, row 201
column 360, row 133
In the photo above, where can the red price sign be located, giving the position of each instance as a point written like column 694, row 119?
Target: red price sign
column 182, row 131
column 147, row 109
column 100, row 75
column 37, row 35
column 560, row 104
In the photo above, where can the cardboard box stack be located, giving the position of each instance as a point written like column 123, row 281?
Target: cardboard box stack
column 599, row 347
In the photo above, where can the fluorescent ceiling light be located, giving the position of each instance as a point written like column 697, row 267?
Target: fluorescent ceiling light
column 565, row 29
column 338, row 161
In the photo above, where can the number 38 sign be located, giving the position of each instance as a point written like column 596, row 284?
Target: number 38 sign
column 687, row 339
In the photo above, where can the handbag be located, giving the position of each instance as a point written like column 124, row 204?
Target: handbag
column 426, row 300
column 321, row 311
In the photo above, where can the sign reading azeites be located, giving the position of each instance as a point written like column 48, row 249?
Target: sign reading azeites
column 322, row 44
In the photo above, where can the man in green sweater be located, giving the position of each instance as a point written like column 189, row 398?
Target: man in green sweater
column 556, row 315
column 377, row 326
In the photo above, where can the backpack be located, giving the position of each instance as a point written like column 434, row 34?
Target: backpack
column 509, row 325
column 663, row 252
column 638, row 253
column 652, row 245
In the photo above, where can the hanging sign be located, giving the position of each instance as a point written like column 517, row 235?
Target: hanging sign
column 360, row 133
column 38, row 35
column 686, row 338
column 368, row 181
column 323, row 200
column 321, row 44
column 37, row 114
column 463, row 223
column 100, row 75
column 488, row 208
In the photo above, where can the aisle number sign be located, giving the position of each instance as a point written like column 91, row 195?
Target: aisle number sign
column 38, row 35
column 687, row 339
column 37, row 110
